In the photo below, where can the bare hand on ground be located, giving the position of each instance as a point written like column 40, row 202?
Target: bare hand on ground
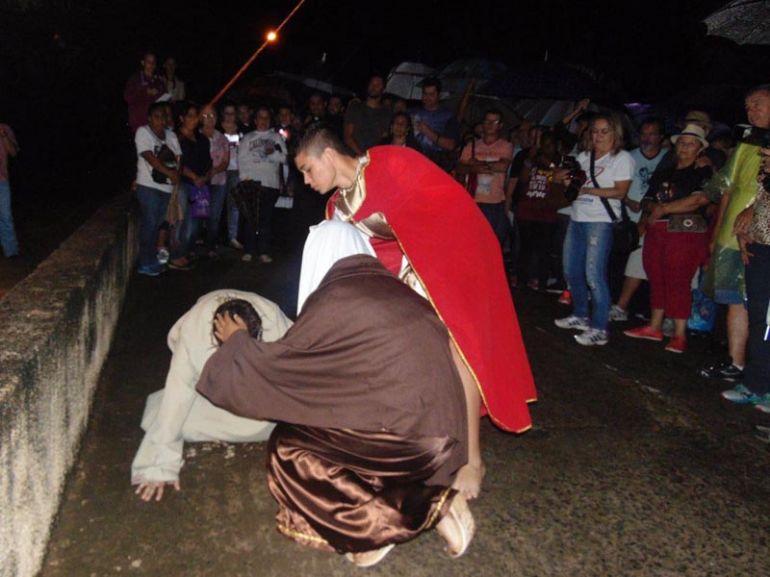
column 468, row 480
column 148, row 490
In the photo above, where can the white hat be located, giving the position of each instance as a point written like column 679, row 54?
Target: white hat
column 692, row 130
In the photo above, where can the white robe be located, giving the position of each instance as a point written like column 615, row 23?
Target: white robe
column 177, row 413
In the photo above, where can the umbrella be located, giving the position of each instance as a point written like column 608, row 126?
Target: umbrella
column 404, row 80
column 456, row 75
column 543, row 81
column 743, row 21
column 314, row 83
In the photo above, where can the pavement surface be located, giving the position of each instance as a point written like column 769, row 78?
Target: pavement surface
column 634, row 467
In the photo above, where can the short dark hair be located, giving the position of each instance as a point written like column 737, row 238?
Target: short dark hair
column 156, row 106
column 246, row 311
column 653, row 120
column 758, row 88
column 318, row 138
column 184, row 107
column 494, row 111
column 432, row 81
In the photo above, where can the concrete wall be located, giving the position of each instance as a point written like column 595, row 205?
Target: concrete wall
column 55, row 331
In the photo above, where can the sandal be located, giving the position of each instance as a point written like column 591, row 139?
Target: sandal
column 460, row 514
column 377, row 556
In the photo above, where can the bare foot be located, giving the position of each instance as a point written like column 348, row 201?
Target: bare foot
column 468, row 480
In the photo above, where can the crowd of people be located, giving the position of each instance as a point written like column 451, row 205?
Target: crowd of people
column 423, row 198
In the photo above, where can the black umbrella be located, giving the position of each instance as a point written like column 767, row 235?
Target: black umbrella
column 743, row 21
column 543, row 80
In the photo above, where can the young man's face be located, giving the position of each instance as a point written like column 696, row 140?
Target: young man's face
column 157, row 120
column 263, row 120
column 244, row 114
column 376, row 87
column 335, row 105
column 284, row 116
column 492, row 125
column 430, row 97
column 316, row 105
column 318, row 171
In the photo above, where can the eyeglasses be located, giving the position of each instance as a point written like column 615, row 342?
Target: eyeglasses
column 208, row 115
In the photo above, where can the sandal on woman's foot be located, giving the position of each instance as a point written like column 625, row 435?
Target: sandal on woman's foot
column 464, row 526
column 369, row 558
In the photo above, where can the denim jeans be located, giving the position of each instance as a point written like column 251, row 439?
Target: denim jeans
column 498, row 220
column 232, row 209
column 586, row 255
column 217, row 192
column 153, row 204
column 189, row 227
column 7, row 233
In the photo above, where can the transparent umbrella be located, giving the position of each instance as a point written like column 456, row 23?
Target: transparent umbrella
column 743, row 21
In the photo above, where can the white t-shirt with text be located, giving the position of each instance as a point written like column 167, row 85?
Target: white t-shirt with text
column 608, row 170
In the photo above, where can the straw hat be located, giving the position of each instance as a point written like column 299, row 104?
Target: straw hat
column 692, row 130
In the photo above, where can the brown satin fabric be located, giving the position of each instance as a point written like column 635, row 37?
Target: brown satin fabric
column 353, row 491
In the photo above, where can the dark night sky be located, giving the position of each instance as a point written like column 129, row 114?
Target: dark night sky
column 63, row 63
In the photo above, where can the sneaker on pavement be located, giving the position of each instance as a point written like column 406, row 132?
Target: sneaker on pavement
column 235, row 244
column 572, row 322
column 677, row 345
column 246, row 257
column 592, row 337
column 617, row 314
column 265, row 259
column 181, row 263
column 742, row 395
column 565, row 298
column 645, row 332
column 724, row 370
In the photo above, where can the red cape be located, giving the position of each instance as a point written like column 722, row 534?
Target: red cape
column 456, row 255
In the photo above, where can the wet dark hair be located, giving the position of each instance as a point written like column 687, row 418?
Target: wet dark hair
column 318, row 138
column 246, row 311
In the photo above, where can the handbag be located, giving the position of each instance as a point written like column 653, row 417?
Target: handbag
column 200, row 202
column 625, row 232
column 686, row 223
column 167, row 157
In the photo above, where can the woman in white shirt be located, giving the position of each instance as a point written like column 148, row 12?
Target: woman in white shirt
column 609, row 170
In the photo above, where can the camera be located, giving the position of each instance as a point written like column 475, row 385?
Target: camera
column 577, row 177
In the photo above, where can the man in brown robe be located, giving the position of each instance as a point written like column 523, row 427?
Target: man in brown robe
column 372, row 417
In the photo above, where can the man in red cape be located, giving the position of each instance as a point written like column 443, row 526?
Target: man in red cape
column 411, row 208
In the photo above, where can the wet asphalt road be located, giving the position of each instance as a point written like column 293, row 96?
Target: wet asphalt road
column 634, row 467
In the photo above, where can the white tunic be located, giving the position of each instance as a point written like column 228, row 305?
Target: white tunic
column 177, row 413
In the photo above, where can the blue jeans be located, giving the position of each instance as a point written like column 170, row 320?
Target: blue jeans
column 7, row 233
column 189, row 227
column 495, row 215
column 153, row 204
column 586, row 255
column 217, row 192
column 232, row 209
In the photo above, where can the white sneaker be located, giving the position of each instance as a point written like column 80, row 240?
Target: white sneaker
column 617, row 314
column 572, row 322
column 246, row 257
column 235, row 244
column 265, row 259
column 592, row 337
